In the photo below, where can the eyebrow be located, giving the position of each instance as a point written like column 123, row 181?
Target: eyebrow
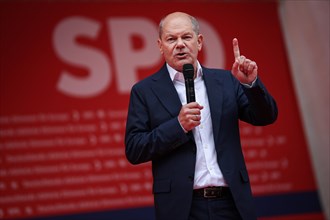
column 184, row 33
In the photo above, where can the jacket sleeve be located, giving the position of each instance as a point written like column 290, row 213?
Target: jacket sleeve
column 146, row 140
column 256, row 105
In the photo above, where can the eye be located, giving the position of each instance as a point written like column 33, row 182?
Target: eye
column 187, row 37
column 170, row 39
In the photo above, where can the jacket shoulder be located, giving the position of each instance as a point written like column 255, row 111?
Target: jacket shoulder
column 217, row 73
column 220, row 72
column 146, row 82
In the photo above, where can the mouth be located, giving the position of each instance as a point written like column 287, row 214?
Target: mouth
column 181, row 55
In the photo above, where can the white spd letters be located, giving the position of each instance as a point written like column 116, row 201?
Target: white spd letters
column 94, row 60
column 126, row 59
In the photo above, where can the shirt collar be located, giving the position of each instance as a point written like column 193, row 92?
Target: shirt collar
column 178, row 76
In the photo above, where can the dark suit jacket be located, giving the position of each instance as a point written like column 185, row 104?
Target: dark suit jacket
column 153, row 133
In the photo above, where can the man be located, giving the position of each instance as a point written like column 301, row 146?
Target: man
column 197, row 162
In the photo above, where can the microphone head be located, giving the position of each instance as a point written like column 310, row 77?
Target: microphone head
column 188, row 71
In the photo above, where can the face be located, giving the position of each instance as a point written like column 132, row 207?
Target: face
column 179, row 44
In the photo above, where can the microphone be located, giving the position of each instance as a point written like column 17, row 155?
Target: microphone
column 188, row 73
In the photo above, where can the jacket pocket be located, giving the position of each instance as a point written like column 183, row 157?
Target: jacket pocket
column 244, row 176
column 162, row 186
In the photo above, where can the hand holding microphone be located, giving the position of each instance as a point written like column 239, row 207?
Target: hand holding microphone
column 190, row 114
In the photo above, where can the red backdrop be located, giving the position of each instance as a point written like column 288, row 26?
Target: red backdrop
column 66, row 70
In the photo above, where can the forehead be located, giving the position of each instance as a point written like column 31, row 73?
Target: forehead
column 178, row 24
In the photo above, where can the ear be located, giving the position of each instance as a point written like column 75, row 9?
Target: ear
column 160, row 45
column 200, row 39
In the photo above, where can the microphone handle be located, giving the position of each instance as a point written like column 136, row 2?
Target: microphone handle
column 190, row 90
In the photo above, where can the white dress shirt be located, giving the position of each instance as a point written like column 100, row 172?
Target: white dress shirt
column 207, row 170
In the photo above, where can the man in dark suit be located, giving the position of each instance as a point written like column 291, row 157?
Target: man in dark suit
column 197, row 161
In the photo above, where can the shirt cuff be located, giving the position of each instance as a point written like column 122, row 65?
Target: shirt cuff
column 182, row 127
column 250, row 85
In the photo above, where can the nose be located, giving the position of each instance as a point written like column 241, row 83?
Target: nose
column 180, row 43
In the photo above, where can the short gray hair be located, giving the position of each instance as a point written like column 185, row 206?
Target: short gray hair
column 193, row 20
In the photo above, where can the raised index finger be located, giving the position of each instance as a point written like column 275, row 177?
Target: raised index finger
column 236, row 48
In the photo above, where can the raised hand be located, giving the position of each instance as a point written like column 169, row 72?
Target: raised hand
column 245, row 70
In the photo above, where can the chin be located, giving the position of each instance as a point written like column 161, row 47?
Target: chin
column 178, row 66
column 181, row 63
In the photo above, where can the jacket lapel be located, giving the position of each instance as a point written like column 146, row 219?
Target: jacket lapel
column 165, row 91
column 214, row 86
